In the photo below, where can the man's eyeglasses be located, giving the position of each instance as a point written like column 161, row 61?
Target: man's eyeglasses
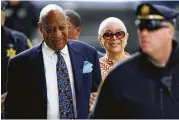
column 150, row 25
column 109, row 36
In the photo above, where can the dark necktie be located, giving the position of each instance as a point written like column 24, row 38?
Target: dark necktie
column 64, row 89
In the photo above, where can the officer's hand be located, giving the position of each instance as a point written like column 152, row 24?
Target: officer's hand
column 92, row 98
column 3, row 96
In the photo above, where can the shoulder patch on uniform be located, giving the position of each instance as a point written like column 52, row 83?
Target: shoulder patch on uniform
column 29, row 44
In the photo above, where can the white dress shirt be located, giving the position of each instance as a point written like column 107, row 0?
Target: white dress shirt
column 50, row 60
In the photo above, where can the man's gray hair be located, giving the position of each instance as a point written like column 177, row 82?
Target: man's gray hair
column 44, row 12
column 108, row 20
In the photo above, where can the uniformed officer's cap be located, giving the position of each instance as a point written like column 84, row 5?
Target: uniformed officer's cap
column 152, row 11
column 3, row 5
column 150, row 16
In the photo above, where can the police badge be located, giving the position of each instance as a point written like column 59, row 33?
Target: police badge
column 10, row 52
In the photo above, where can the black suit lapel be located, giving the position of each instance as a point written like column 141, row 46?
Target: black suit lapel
column 39, row 70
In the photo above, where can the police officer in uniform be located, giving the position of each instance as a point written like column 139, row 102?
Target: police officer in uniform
column 147, row 84
column 12, row 43
column 22, row 16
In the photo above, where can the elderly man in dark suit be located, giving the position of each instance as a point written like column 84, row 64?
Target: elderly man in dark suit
column 147, row 84
column 54, row 79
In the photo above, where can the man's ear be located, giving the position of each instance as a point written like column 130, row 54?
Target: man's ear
column 171, row 30
column 40, row 27
column 78, row 29
column 3, row 17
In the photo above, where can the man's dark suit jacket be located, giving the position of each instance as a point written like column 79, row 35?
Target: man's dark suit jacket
column 27, row 94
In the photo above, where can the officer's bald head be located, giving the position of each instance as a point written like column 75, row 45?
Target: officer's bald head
column 49, row 8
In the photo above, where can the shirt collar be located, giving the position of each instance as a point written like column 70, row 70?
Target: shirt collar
column 64, row 51
column 47, row 50
column 50, row 52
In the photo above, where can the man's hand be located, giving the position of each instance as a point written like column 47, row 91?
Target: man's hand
column 3, row 96
column 92, row 99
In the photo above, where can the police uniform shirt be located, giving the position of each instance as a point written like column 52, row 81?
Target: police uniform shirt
column 12, row 43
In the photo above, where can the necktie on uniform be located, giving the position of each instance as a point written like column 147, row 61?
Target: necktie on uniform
column 64, row 89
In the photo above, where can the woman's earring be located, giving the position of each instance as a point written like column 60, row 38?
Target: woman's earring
column 102, row 46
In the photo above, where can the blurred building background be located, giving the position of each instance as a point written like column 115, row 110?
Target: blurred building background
column 94, row 12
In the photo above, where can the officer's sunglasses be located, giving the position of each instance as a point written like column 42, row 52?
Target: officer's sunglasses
column 150, row 25
column 109, row 35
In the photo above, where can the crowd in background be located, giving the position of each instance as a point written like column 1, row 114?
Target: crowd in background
column 18, row 11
